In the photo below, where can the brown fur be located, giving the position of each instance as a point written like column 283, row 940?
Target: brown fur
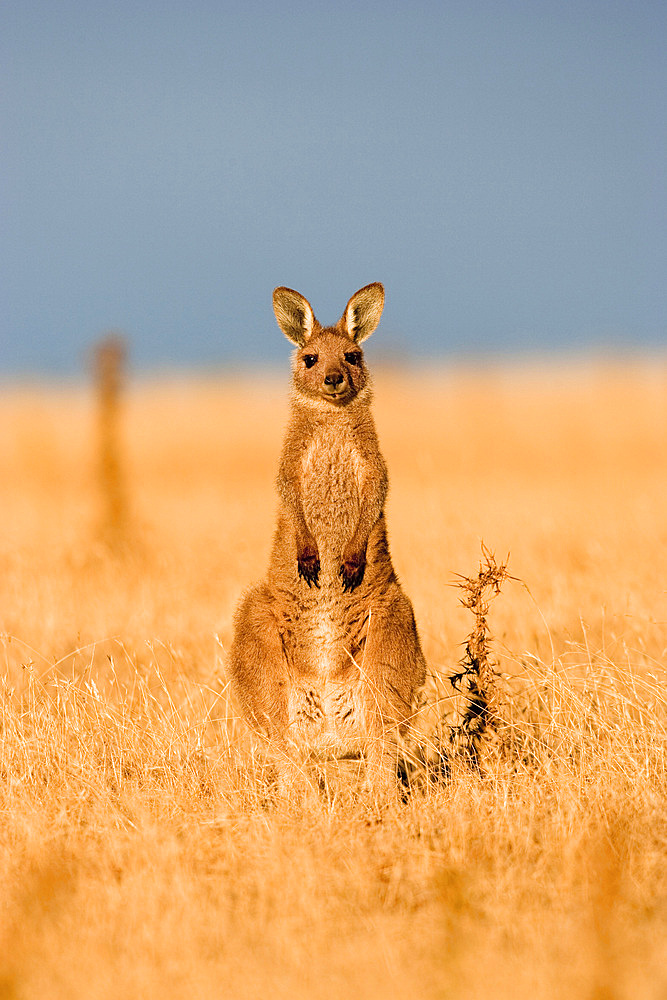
column 326, row 656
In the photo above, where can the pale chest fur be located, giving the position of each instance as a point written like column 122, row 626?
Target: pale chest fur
column 332, row 483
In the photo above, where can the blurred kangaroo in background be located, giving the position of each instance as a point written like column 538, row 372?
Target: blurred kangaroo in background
column 326, row 658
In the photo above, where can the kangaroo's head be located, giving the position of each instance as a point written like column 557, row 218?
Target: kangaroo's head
column 329, row 363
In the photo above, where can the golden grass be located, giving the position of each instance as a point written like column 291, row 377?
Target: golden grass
column 140, row 855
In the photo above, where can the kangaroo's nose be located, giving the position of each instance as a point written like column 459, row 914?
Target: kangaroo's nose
column 333, row 378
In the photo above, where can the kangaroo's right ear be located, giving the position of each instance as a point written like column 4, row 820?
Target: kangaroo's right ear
column 294, row 314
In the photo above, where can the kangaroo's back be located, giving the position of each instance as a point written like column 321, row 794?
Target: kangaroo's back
column 326, row 654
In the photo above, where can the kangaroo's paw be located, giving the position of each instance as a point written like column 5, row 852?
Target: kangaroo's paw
column 308, row 562
column 352, row 569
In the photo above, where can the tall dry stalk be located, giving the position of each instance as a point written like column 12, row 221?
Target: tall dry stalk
column 109, row 371
column 477, row 678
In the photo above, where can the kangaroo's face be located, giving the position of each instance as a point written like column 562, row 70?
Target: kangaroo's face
column 329, row 364
column 330, row 367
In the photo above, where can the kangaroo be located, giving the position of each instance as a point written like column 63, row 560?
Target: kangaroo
column 326, row 659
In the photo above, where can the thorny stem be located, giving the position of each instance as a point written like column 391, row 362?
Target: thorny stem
column 476, row 680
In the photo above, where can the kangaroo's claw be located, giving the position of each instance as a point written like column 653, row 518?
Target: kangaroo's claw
column 308, row 564
column 352, row 572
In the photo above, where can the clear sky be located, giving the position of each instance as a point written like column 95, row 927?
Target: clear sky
column 501, row 166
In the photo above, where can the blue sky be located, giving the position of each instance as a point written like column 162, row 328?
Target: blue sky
column 501, row 167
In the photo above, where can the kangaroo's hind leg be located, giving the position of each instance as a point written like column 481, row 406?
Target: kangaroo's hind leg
column 260, row 676
column 393, row 670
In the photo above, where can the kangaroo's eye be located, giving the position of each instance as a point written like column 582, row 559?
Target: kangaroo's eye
column 309, row 360
column 353, row 358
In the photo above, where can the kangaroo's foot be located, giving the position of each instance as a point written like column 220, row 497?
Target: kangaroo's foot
column 381, row 782
column 295, row 786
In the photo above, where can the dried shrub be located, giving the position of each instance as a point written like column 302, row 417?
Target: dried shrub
column 477, row 680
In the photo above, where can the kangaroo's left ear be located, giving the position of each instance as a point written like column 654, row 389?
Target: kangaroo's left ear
column 363, row 311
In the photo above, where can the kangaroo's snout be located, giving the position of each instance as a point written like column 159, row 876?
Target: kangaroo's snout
column 334, row 378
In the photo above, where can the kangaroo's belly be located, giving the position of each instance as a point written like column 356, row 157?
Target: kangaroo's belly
column 327, row 630
column 324, row 628
column 325, row 704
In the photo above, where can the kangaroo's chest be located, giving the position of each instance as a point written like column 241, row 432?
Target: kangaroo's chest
column 332, row 480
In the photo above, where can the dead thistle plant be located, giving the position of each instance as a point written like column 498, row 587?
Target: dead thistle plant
column 477, row 680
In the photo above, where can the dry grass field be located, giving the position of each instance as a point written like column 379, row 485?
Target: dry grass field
column 141, row 854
